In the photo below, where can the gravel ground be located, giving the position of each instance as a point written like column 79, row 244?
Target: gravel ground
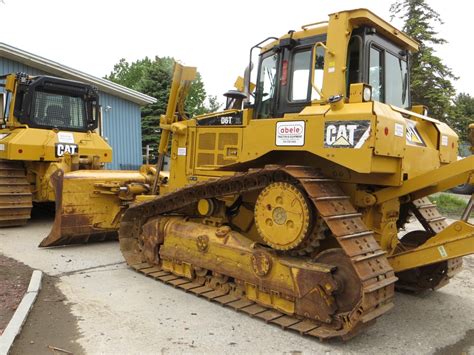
column 14, row 280
column 110, row 309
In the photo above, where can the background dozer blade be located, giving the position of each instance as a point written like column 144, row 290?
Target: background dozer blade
column 88, row 206
column 454, row 241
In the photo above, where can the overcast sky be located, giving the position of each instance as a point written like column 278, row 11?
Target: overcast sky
column 215, row 36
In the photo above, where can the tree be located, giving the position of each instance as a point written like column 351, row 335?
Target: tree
column 461, row 115
column 213, row 104
column 430, row 79
column 127, row 74
column 153, row 77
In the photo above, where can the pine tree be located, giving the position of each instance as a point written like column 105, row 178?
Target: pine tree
column 462, row 115
column 431, row 79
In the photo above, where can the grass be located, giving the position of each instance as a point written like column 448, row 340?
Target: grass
column 449, row 204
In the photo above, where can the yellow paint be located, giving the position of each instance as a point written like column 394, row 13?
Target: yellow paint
column 282, row 216
column 454, row 241
column 387, row 160
column 36, row 147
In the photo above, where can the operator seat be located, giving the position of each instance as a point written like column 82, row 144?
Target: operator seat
column 56, row 116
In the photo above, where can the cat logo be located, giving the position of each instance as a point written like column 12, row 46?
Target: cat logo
column 413, row 136
column 346, row 134
column 63, row 148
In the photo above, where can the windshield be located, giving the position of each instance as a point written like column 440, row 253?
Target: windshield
column 388, row 76
column 59, row 110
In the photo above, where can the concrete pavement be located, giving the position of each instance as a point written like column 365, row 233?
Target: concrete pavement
column 122, row 312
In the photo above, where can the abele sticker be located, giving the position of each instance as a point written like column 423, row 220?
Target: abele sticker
column 290, row 133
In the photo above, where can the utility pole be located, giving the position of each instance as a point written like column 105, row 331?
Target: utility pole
column 147, row 154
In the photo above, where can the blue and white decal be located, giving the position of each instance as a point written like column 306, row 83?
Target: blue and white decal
column 346, row 134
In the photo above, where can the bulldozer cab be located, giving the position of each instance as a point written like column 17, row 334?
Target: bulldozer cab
column 51, row 103
column 306, row 66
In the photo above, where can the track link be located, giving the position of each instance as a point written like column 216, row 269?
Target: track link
column 15, row 194
column 356, row 240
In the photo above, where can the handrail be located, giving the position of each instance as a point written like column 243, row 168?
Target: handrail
column 313, row 61
column 305, row 27
column 250, row 67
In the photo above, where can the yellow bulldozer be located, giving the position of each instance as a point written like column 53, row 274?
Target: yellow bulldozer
column 288, row 205
column 47, row 124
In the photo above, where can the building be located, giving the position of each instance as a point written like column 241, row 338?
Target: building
column 121, row 120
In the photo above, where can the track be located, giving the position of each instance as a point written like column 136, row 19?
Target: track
column 376, row 277
column 15, row 195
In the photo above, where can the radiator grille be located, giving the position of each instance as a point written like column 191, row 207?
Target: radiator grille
column 222, row 161
column 228, row 139
column 205, row 159
column 207, row 141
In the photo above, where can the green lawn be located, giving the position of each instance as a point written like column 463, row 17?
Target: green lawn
column 449, row 204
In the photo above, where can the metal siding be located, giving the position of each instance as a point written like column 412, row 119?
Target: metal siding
column 122, row 123
column 8, row 66
column 122, row 127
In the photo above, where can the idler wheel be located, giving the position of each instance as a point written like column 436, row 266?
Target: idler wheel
column 349, row 286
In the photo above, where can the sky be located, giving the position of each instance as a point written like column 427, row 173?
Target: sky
column 215, row 36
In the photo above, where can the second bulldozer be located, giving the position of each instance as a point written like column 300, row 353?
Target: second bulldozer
column 288, row 208
column 50, row 134
column 48, row 124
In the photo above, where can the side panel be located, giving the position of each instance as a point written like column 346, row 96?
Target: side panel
column 367, row 143
column 32, row 144
column 216, row 146
column 196, row 154
column 344, row 137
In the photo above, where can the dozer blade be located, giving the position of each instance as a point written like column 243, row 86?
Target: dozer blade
column 87, row 208
column 454, row 241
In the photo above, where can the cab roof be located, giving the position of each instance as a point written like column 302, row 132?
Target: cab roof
column 356, row 18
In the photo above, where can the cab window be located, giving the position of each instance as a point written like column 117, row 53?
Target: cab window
column 388, row 76
column 266, row 86
column 354, row 74
column 301, row 88
column 376, row 73
column 59, row 110
column 300, row 76
column 397, row 80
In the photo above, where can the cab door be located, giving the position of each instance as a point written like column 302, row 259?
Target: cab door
column 296, row 91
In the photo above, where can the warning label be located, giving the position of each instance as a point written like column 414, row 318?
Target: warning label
column 413, row 136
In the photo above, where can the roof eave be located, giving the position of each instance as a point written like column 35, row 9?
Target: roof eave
column 66, row 72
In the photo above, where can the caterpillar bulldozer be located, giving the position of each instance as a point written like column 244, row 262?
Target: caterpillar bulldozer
column 48, row 126
column 287, row 206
